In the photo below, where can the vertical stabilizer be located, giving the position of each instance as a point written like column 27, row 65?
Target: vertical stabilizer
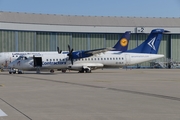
column 122, row 44
column 151, row 44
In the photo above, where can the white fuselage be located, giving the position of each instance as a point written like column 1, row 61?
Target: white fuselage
column 108, row 59
column 8, row 57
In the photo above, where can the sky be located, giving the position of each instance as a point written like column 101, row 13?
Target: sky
column 131, row 8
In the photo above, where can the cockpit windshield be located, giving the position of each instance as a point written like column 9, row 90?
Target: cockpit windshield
column 22, row 58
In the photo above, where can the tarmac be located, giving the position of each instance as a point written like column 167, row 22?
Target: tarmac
column 109, row 94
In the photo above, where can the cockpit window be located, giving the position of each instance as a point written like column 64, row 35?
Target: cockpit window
column 20, row 58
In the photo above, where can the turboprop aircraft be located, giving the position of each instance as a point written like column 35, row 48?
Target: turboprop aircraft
column 121, row 45
column 144, row 52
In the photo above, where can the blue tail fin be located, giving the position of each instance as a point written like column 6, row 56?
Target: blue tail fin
column 123, row 42
column 151, row 44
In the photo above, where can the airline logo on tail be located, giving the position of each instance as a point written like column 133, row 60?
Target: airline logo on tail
column 151, row 43
column 123, row 42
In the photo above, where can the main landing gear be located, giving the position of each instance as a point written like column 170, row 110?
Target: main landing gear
column 63, row 71
column 85, row 70
column 51, row 71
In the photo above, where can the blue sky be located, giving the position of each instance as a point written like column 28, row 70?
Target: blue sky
column 137, row 8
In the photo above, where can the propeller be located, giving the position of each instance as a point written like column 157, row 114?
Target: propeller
column 70, row 54
column 59, row 51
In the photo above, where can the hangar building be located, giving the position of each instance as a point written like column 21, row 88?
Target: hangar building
column 44, row 32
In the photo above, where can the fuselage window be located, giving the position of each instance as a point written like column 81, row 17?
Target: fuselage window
column 85, row 59
column 91, row 58
column 46, row 59
column 101, row 58
column 50, row 59
column 88, row 58
column 56, row 59
column 107, row 58
column 53, row 59
column 13, row 55
column 116, row 58
column 119, row 58
column 104, row 58
column 98, row 58
column 59, row 59
column 122, row 58
column 110, row 58
column 113, row 58
column 94, row 58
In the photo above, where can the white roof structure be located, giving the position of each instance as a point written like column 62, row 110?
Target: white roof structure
column 16, row 18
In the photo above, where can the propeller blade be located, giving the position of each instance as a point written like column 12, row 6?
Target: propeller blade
column 72, row 61
column 69, row 48
column 59, row 51
column 70, row 54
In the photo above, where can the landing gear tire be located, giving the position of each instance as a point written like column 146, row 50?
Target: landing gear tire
column 88, row 71
column 81, row 71
column 19, row 72
column 51, row 71
column 12, row 71
column 63, row 71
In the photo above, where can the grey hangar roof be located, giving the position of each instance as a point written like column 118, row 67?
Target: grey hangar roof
column 42, row 22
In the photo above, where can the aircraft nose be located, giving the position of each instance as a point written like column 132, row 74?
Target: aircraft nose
column 11, row 65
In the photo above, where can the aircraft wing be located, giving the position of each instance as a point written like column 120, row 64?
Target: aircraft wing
column 98, row 51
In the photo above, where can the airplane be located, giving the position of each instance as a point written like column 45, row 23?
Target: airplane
column 144, row 52
column 121, row 45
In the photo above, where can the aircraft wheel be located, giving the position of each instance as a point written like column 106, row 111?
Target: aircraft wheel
column 88, row 71
column 10, row 72
column 19, row 72
column 81, row 71
column 51, row 71
column 63, row 71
